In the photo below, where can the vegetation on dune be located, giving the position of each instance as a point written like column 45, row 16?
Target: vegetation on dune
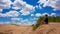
column 50, row 19
column 38, row 23
column 54, row 19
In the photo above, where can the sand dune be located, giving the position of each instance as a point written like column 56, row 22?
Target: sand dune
column 51, row 28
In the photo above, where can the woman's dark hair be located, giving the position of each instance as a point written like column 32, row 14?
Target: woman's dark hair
column 46, row 15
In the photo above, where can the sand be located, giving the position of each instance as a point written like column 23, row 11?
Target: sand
column 51, row 28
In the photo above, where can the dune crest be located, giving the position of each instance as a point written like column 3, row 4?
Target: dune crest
column 51, row 28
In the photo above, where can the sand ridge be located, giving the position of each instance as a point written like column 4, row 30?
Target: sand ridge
column 51, row 28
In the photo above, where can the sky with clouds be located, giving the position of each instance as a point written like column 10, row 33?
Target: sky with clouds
column 27, row 11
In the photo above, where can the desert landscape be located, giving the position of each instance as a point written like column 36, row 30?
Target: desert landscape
column 51, row 28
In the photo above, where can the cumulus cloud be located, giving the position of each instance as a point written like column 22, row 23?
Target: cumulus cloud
column 53, row 14
column 54, row 9
column 53, row 3
column 1, row 10
column 32, row 14
column 35, row 19
column 25, row 8
column 22, row 21
column 24, row 12
column 27, row 22
column 38, row 6
column 5, row 4
column 2, row 15
column 15, row 8
column 15, row 19
column 38, row 14
column 45, row 14
column 10, row 14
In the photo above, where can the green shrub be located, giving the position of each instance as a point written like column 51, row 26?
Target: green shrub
column 54, row 19
column 50, row 19
column 38, row 23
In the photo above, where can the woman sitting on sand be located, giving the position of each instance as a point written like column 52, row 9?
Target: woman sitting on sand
column 45, row 21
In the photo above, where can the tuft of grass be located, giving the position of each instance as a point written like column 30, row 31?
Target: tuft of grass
column 38, row 23
column 50, row 19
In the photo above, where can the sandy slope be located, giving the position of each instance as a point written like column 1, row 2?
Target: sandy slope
column 51, row 28
column 13, row 29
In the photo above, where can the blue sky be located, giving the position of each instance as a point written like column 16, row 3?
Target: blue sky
column 27, row 11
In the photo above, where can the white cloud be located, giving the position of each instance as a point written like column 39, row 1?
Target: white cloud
column 32, row 14
column 24, row 12
column 45, row 14
column 16, row 8
column 5, row 4
column 13, row 19
column 35, row 18
column 2, row 15
column 6, row 23
column 27, row 22
column 38, row 6
column 53, row 3
column 22, row 21
column 1, row 10
column 10, row 14
column 38, row 14
column 18, row 19
column 26, row 9
column 54, row 9
column 42, row 1
column 20, row 4
column 53, row 14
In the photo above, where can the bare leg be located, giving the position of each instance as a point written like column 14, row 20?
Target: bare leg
column 43, row 22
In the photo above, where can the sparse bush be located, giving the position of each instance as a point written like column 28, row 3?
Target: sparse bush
column 38, row 23
column 54, row 19
column 50, row 19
